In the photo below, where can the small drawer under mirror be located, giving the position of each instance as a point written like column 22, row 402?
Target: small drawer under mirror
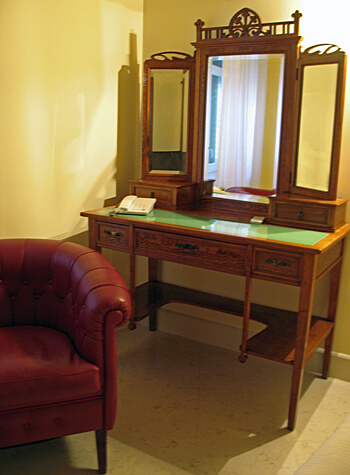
column 310, row 214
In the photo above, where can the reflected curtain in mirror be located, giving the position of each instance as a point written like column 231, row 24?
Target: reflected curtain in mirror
column 243, row 120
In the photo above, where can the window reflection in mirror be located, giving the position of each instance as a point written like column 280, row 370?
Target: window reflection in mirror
column 169, row 120
column 243, row 120
column 316, row 126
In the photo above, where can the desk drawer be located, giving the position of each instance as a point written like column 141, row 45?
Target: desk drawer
column 205, row 253
column 114, row 236
column 308, row 214
column 277, row 265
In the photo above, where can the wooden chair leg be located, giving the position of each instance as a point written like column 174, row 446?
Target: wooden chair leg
column 101, row 445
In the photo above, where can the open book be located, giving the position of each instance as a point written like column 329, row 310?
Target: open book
column 133, row 205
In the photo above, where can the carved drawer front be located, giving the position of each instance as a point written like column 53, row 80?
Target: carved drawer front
column 113, row 235
column 163, row 196
column 192, row 251
column 277, row 265
column 303, row 213
column 168, row 196
column 325, row 216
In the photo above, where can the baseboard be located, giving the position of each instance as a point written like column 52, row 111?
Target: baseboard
column 229, row 337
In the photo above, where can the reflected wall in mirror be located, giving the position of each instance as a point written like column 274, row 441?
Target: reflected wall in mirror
column 168, row 121
column 316, row 126
column 243, row 120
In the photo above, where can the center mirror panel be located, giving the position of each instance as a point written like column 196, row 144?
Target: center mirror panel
column 243, row 121
column 246, row 98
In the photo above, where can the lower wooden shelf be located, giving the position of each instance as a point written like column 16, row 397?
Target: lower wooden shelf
column 275, row 342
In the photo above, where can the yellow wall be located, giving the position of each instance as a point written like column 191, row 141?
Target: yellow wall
column 169, row 25
column 61, row 64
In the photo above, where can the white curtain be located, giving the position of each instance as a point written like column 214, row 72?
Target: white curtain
column 244, row 89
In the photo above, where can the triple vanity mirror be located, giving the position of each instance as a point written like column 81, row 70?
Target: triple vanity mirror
column 249, row 125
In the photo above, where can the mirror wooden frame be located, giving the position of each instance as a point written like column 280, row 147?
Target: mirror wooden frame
column 243, row 36
column 320, row 55
column 167, row 60
column 306, row 207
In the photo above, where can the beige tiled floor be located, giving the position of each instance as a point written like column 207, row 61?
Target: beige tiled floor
column 190, row 408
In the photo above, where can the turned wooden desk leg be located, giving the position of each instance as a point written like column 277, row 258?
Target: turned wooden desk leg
column 132, row 286
column 92, row 236
column 302, row 334
column 246, row 309
column 332, row 309
column 153, row 277
column 246, row 316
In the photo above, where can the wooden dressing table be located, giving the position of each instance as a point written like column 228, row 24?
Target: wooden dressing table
column 299, row 97
column 292, row 256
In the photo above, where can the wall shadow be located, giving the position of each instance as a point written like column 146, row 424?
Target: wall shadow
column 129, row 122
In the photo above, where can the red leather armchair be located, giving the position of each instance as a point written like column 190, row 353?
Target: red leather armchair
column 59, row 305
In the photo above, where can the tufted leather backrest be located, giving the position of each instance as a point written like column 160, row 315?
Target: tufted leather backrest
column 56, row 284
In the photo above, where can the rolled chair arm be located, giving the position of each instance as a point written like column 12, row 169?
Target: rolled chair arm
column 97, row 300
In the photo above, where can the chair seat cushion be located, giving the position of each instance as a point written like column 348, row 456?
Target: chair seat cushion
column 39, row 366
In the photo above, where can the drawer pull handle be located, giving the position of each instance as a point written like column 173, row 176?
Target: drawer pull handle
column 301, row 214
column 113, row 234
column 185, row 247
column 278, row 262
